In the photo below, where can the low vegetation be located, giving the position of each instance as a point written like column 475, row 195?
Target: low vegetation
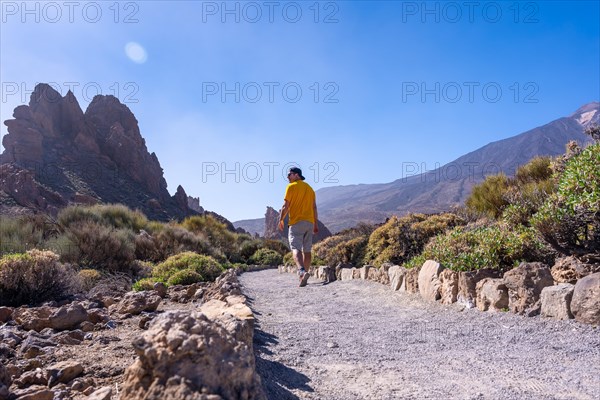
column 550, row 207
column 89, row 244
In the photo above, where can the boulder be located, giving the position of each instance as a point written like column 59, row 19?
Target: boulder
column 364, row 272
column 69, row 337
column 29, row 378
column 33, row 344
column 63, row 372
column 33, row 318
column 374, row 274
column 429, row 282
column 585, row 304
column 492, row 294
column 160, row 289
column 347, row 274
column 384, row 278
column 35, row 392
column 569, row 270
column 328, row 274
column 525, row 284
column 5, row 382
column 396, row 276
column 411, row 280
column 137, row 302
column 556, row 301
column 467, row 285
column 5, row 314
column 104, row 393
column 448, row 286
column 356, row 273
column 339, row 268
column 68, row 316
column 183, row 355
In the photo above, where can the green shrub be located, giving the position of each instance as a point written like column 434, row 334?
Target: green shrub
column 276, row 245
column 17, row 235
column 538, row 169
column 495, row 247
column 488, row 198
column 579, row 185
column 204, row 265
column 349, row 251
column 400, row 239
column 288, row 259
column 144, row 284
column 185, row 277
column 265, row 256
column 169, row 240
column 34, row 277
column 570, row 219
column 248, row 248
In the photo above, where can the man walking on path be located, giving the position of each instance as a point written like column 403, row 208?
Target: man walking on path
column 300, row 202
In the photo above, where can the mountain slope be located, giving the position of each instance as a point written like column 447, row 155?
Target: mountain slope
column 438, row 190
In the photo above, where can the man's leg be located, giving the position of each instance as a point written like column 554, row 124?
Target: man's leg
column 298, row 259
column 307, row 260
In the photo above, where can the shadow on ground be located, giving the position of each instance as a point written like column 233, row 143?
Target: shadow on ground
column 277, row 379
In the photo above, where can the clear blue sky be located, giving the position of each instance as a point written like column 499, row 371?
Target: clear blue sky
column 214, row 85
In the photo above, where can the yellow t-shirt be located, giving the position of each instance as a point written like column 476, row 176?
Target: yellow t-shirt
column 301, row 198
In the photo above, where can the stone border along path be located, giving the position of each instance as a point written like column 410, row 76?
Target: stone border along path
column 358, row 339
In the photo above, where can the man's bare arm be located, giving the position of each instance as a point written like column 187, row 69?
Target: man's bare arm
column 285, row 209
column 316, row 215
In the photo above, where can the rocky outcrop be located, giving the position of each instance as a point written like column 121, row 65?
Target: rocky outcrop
column 272, row 230
column 183, row 355
column 525, row 284
column 82, row 347
column 585, row 304
column 448, row 286
column 396, row 276
column 492, row 295
column 556, row 301
column 55, row 155
column 429, row 282
column 569, row 270
column 136, row 302
column 467, row 285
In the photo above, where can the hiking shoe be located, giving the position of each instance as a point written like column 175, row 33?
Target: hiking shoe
column 304, row 279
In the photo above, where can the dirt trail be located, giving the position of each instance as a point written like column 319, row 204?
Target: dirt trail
column 358, row 340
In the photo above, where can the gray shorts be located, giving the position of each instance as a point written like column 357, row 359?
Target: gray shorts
column 300, row 236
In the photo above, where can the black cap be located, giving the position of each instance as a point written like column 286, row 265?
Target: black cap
column 298, row 171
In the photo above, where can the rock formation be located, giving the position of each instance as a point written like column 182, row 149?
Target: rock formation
column 56, row 155
column 272, row 232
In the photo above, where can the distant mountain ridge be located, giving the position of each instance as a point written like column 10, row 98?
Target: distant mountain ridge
column 439, row 190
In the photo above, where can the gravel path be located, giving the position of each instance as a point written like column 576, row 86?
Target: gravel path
column 359, row 340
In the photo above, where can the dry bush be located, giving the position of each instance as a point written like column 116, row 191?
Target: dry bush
column 345, row 246
column 216, row 232
column 167, row 240
column 115, row 215
column 102, row 247
column 88, row 278
column 34, row 277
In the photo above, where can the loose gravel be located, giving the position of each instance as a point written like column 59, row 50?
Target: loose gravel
column 360, row 340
